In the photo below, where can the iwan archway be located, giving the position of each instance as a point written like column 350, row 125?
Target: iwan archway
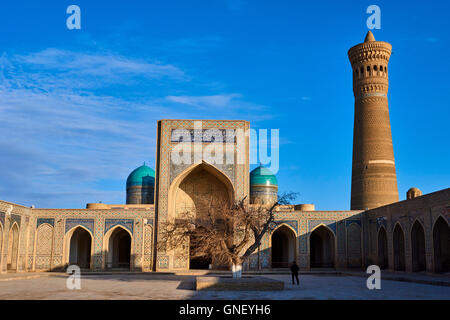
column 283, row 247
column 322, row 248
column 79, row 247
column 441, row 246
column 118, row 244
column 382, row 248
column 418, row 255
column 191, row 193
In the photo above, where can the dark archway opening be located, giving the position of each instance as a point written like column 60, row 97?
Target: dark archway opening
column 283, row 247
column 419, row 262
column 399, row 249
column 120, row 249
column 382, row 249
column 198, row 260
column 322, row 248
column 441, row 244
column 80, row 248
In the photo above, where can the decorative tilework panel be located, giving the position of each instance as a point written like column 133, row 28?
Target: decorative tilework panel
column 291, row 223
column 16, row 218
column 49, row 221
column 329, row 223
column 87, row 223
column 148, row 245
column 265, row 261
column 349, row 222
column 180, row 262
column 126, row 223
column 163, row 262
column 44, row 247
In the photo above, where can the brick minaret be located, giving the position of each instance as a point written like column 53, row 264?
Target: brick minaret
column 374, row 182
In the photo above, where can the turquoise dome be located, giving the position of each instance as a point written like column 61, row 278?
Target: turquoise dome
column 263, row 176
column 142, row 176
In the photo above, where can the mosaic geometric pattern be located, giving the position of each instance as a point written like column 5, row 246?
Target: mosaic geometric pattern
column 265, row 261
column 292, row 223
column 349, row 222
column 329, row 223
column 163, row 262
column 87, row 223
column 16, row 218
column 45, row 248
column 180, row 262
column 126, row 223
column 49, row 221
column 148, row 245
column 31, row 238
column 381, row 221
column 58, row 239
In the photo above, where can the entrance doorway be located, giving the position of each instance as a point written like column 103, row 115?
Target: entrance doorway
column 441, row 244
column 399, row 249
column 322, row 248
column 382, row 249
column 119, row 249
column 80, row 248
column 283, row 247
column 418, row 248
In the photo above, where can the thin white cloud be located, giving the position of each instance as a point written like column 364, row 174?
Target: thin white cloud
column 215, row 101
column 97, row 64
column 226, row 103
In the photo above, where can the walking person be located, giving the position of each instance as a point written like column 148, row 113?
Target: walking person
column 294, row 270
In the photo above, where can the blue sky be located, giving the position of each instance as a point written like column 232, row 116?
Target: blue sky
column 78, row 108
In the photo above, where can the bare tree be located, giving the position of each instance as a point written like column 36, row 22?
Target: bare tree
column 228, row 233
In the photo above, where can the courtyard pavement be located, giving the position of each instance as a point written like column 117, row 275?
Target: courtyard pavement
column 165, row 286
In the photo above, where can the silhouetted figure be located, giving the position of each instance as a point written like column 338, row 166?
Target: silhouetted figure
column 294, row 270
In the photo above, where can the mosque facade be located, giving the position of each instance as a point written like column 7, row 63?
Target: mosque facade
column 410, row 235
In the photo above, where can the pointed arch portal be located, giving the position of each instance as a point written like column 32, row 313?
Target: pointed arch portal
column 283, row 247
column 191, row 190
column 322, row 248
column 119, row 249
column 382, row 249
column 80, row 248
column 441, row 245
column 419, row 261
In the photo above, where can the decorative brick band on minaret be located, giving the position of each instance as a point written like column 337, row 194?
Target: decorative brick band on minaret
column 374, row 182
